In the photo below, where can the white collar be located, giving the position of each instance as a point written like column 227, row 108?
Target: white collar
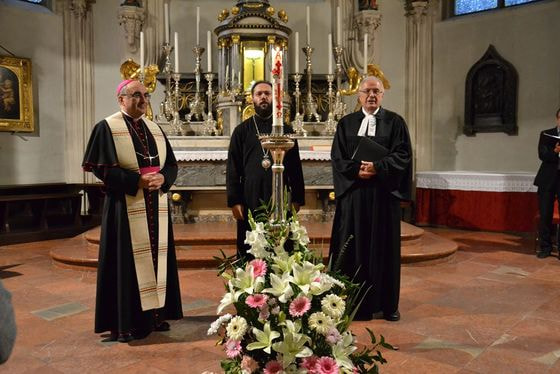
column 369, row 123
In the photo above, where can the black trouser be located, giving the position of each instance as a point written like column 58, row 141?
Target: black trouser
column 546, row 209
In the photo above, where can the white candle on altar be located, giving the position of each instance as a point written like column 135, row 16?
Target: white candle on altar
column 308, row 26
column 227, row 74
column 338, row 26
column 209, row 51
column 197, row 25
column 329, row 53
column 296, row 54
column 142, row 52
column 176, row 43
column 365, row 53
column 277, row 91
column 239, row 77
column 166, row 19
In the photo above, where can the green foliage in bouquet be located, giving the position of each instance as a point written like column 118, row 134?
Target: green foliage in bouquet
column 291, row 313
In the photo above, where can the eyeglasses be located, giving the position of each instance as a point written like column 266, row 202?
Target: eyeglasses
column 374, row 91
column 137, row 95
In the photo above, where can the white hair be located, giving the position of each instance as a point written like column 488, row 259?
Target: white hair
column 371, row 78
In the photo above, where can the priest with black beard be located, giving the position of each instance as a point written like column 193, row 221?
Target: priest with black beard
column 248, row 173
column 368, row 194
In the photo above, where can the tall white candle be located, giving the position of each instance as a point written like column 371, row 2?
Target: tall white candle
column 176, row 43
column 197, row 25
column 277, row 91
column 308, row 26
column 365, row 53
column 329, row 53
column 227, row 74
column 338, row 27
column 296, row 54
column 239, row 77
column 166, row 23
column 209, row 51
column 142, row 52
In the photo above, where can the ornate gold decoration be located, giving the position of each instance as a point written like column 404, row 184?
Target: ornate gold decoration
column 332, row 196
column 131, row 70
column 16, row 111
column 223, row 15
column 271, row 39
column 270, row 11
column 223, row 42
column 235, row 11
column 249, row 109
column 220, row 122
column 176, row 197
column 235, row 39
column 354, row 79
column 283, row 16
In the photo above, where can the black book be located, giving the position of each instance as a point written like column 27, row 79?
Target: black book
column 369, row 150
column 550, row 140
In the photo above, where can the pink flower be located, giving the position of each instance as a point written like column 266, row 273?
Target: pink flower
column 333, row 336
column 273, row 367
column 264, row 313
column 233, row 348
column 299, row 306
column 309, row 364
column 259, row 267
column 257, row 300
column 248, row 364
column 326, row 365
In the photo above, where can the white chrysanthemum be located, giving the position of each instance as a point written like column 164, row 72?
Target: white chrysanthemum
column 333, row 306
column 333, row 280
column 214, row 326
column 236, row 328
column 320, row 322
column 299, row 233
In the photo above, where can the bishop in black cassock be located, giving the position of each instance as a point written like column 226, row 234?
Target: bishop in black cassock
column 248, row 183
column 119, row 308
column 368, row 198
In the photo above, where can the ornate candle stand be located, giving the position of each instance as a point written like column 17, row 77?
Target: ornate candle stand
column 297, row 123
column 339, row 109
column 310, row 106
column 176, row 123
column 209, row 123
column 196, row 106
column 278, row 145
column 330, row 124
column 166, row 106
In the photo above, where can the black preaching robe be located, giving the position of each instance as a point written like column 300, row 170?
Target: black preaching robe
column 117, row 305
column 248, row 183
column 369, row 210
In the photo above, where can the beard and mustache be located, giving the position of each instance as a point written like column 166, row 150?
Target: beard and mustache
column 263, row 109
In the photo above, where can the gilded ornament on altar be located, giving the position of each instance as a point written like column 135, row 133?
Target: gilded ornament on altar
column 332, row 196
column 176, row 197
column 354, row 78
column 220, row 122
column 270, row 11
column 235, row 11
column 283, row 16
column 131, row 70
column 223, row 15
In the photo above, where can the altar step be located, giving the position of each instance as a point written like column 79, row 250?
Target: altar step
column 198, row 244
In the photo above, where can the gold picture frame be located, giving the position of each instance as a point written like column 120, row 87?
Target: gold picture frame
column 16, row 95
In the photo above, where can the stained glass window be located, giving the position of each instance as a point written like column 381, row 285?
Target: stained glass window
column 517, row 2
column 471, row 6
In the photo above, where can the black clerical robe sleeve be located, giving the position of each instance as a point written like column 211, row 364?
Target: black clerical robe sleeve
column 101, row 159
column 170, row 168
column 345, row 169
column 294, row 170
column 394, row 168
column 546, row 146
column 234, row 169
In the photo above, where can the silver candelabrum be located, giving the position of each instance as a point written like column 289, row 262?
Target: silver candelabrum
column 297, row 123
column 196, row 106
column 209, row 127
column 310, row 105
column 339, row 109
column 330, row 123
column 166, row 107
column 176, row 123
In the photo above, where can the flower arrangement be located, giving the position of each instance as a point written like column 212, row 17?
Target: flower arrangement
column 291, row 313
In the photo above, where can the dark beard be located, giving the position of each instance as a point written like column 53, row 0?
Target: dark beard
column 263, row 112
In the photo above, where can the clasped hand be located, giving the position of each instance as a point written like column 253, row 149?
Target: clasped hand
column 367, row 170
column 557, row 148
column 151, row 181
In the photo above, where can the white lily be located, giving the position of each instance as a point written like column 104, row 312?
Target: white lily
column 305, row 275
column 283, row 263
column 299, row 233
column 264, row 338
column 323, row 285
column 343, row 349
column 292, row 347
column 245, row 280
column 281, row 287
column 229, row 298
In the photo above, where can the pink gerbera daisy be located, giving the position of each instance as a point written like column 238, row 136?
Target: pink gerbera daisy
column 273, row 367
column 257, row 300
column 299, row 306
column 309, row 364
column 233, row 348
column 259, row 268
column 326, row 365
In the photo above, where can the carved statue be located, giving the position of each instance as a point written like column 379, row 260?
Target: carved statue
column 354, row 78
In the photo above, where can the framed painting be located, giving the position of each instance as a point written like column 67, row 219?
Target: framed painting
column 16, row 95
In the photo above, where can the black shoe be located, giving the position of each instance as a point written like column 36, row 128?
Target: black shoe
column 164, row 326
column 395, row 316
column 543, row 253
column 125, row 337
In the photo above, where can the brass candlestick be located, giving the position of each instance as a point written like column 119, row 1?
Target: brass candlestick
column 209, row 123
column 297, row 123
column 196, row 106
column 339, row 109
column 166, row 106
column 330, row 124
column 310, row 105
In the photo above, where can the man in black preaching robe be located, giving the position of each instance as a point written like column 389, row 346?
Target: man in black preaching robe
column 368, row 195
column 249, row 183
column 134, row 159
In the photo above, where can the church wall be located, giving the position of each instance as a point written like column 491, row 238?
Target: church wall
column 526, row 36
column 38, row 157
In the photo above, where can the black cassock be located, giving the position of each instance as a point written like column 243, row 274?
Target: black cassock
column 248, row 183
column 117, row 306
column 369, row 210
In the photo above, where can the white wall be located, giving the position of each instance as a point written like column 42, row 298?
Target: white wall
column 526, row 36
column 37, row 157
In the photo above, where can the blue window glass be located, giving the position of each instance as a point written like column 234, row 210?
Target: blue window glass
column 471, row 6
column 517, row 2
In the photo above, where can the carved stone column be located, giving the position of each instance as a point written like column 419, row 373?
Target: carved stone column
column 365, row 22
column 78, row 85
column 418, row 75
column 131, row 18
